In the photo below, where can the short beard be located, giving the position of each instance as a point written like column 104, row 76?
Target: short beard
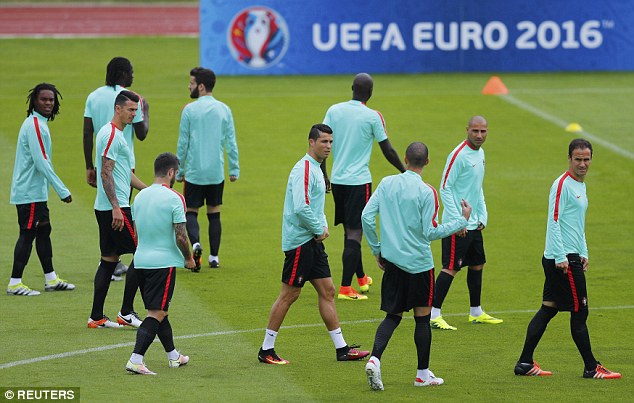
column 194, row 94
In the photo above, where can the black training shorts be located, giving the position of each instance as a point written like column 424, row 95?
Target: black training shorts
column 402, row 291
column 157, row 287
column 31, row 214
column 567, row 290
column 197, row 195
column 349, row 203
column 113, row 242
column 304, row 263
column 459, row 252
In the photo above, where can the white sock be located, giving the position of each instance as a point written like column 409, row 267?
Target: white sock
column 422, row 374
column 213, row 258
column 337, row 338
column 173, row 355
column 435, row 313
column 50, row 276
column 14, row 281
column 269, row 339
column 476, row 311
column 136, row 359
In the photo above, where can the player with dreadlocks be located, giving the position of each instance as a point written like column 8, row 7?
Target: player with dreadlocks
column 32, row 173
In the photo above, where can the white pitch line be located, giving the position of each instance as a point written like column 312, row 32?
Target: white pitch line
column 562, row 123
column 233, row 332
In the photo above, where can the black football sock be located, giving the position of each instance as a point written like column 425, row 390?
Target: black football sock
column 215, row 232
column 535, row 331
column 350, row 259
column 165, row 335
column 384, row 333
column 145, row 335
column 129, row 290
column 101, row 284
column 22, row 252
column 443, row 282
column 191, row 224
column 422, row 339
column 474, row 283
column 579, row 331
column 44, row 247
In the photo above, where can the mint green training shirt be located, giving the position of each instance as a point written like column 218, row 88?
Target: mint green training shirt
column 462, row 179
column 112, row 145
column 354, row 129
column 206, row 130
column 155, row 211
column 100, row 108
column 565, row 228
column 303, row 216
column 407, row 208
column 33, row 168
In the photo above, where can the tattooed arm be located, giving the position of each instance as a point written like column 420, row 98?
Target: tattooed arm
column 107, row 166
column 182, row 241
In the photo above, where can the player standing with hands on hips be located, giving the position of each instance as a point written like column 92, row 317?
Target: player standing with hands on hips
column 32, row 173
column 462, row 180
column 565, row 263
column 159, row 220
column 407, row 208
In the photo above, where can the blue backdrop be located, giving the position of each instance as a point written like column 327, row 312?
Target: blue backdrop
column 407, row 36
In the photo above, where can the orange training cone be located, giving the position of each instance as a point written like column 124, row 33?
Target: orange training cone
column 495, row 86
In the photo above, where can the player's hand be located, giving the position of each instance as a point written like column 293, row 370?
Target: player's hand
column 68, row 199
column 462, row 233
column 328, row 187
column 323, row 236
column 233, row 178
column 379, row 261
column 584, row 261
column 466, row 209
column 480, row 226
column 563, row 266
column 190, row 263
column 180, row 179
column 91, row 177
column 117, row 219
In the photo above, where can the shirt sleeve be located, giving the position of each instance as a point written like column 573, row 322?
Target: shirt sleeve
column 300, row 188
column 429, row 216
column 183, row 143
column 378, row 127
column 42, row 161
column 368, row 221
column 178, row 210
column 231, row 145
column 555, row 206
column 482, row 214
column 447, row 188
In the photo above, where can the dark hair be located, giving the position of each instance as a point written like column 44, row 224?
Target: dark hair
column 125, row 96
column 417, row 154
column 314, row 132
column 204, row 76
column 116, row 71
column 164, row 162
column 579, row 143
column 35, row 91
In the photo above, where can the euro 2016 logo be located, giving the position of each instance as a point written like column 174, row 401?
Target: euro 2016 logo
column 258, row 37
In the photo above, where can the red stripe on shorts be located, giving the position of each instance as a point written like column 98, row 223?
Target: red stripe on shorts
column 367, row 192
column 452, row 255
column 129, row 226
column 431, row 288
column 31, row 216
column 295, row 264
column 573, row 288
column 167, row 288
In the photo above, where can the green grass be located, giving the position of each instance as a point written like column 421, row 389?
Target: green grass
column 225, row 311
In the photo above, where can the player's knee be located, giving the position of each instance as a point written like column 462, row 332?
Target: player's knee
column 28, row 235
column 580, row 316
column 44, row 229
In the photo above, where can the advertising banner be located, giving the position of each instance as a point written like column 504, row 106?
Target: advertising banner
column 271, row 37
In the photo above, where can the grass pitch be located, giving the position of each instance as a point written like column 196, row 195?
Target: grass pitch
column 219, row 316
